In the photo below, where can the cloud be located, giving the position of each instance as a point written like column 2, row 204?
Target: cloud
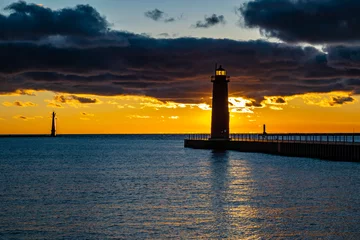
column 21, row 117
column 274, row 100
column 166, row 35
column 19, row 92
column 211, row 21
column 19, row 104
column 177, row 70
column 157, row 104
column 168, row 20
column 254, row 104
column 53, row 104
column 75, row 99
column 341, row 100
column 112, row 102
column 334, row 99
column 155, row 14
column 158, row 15
column 32, row 21
column 28, row 92
column 169, row 69
column 87, row 114
column 138, row 117
column 204, row 106
column 312, row 21
column 276, row 108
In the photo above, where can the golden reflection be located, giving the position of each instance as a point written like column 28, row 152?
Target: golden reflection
column 244, row 217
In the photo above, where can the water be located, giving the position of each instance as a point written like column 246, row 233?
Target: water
column 150, row 187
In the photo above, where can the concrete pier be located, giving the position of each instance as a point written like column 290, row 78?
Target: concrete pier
column 325, row 146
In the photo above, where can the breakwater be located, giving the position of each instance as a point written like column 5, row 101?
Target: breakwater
column 337, row 147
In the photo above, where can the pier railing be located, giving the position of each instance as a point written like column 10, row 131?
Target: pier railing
column 323, row 138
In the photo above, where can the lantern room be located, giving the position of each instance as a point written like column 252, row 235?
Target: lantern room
column 220, row 72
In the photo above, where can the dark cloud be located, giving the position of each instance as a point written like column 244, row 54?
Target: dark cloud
column 254, row 103
column 155, row 14
column 280, row 100
column 74, row 98
column 178, row 69
column 158, row 15
column 31, row 21
column 210, row 21
column 313, row 21
column 275, row 100
column 341, row 100
column 22, row 117
column 344, row 57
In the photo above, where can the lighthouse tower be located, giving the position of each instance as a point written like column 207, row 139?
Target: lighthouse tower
column 53, row 125
column 220, row 106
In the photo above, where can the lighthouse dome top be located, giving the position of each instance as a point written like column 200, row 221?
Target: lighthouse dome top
column 220, row 71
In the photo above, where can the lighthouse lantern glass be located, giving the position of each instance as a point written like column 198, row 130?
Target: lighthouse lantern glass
column 220, row 73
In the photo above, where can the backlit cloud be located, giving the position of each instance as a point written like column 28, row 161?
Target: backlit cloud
column 75, row 99
column 333, row 99
column 275, row 100
column 53, row 104
column 87, row 114
column 21, row 117
column 19, row 104
column 138, row 117
column 341, row 100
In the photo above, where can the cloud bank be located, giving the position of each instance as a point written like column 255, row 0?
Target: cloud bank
column 31, row 21
column 311, row 21
column 100, row 61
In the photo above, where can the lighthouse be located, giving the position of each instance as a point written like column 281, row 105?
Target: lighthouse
column 220, row 106
column 53, row 125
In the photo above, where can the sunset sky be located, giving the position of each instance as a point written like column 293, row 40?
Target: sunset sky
column 143, row 66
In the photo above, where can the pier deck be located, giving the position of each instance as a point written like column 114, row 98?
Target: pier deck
column 334, row 146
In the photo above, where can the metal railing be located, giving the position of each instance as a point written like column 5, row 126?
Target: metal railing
column 323, row 138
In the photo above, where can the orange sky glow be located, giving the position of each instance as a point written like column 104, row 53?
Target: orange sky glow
column 29, row 112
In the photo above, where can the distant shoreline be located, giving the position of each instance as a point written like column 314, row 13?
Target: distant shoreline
column 24, row 135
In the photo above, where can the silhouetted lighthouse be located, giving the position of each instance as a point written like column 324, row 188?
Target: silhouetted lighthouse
column 53, row 125
column 220, row 105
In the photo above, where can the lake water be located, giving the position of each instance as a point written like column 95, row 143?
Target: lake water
column 151, row 187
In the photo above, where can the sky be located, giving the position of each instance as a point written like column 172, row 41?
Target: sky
column 124, row 66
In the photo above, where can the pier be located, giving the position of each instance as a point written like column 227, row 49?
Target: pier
column 329, row 146
column 336, row 147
